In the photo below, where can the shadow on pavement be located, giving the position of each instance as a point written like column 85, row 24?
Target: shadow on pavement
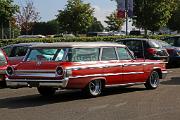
column 37, row 100
column 173, row 81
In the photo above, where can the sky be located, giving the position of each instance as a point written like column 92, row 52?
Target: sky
column 49, row 8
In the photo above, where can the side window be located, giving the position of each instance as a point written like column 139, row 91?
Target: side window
column 84, row 54
column 109, row 54
column 7, row 50
column 19, row 51
column 134, row 45
column 123, row 54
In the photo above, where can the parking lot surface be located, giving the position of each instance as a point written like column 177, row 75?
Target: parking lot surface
column 131, row 103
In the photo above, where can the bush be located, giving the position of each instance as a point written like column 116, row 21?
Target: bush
column 5, row 42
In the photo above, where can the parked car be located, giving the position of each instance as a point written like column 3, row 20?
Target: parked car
column 174, row 40
column 16, row 52
column 174, row 53
column 3, row 66
column 146, row 48
column 31, row 36
column 89, row 66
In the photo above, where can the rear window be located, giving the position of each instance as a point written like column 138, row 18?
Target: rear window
column 155, row 44
column 46, row 54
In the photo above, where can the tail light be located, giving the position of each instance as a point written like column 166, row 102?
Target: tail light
column 10, row 71
column 59, row 71
column 152, row 51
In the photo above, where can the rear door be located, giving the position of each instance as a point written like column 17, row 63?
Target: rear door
column 113, row 68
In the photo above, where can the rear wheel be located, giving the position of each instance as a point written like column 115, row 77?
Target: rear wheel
column 94, row 88
column 46, row 91
column 153, row 81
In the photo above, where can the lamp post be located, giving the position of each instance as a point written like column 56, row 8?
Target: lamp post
column 126, row 15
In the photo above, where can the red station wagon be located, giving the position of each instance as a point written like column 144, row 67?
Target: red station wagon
column 89, row 66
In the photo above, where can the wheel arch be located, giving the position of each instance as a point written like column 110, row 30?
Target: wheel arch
column 159, row 71
column 103, row 79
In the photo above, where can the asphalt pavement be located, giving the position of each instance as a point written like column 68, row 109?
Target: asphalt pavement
column 132, row 103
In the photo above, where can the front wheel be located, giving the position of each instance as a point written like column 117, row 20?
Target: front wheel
column 94, row 88
column 153, row 81
column 46, row 91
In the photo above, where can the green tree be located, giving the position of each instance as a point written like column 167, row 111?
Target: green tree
column 96, row 26
column 76, row 17
column 7, row 10
column 153, row 14
column 45, row 28
column 27, row 16
column 174, row 22
column 114, row 23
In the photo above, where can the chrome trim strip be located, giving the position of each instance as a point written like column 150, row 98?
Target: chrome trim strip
column 35, row 71
column 125, row 84
column 108, row 74
column 114, row 65
column 36, row 75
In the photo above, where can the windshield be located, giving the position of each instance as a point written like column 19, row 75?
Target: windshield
column 46, row 54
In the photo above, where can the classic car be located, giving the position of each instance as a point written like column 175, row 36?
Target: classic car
column 3, row 66
column 90, row 66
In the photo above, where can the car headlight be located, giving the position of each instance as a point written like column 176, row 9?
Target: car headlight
column 10, row 71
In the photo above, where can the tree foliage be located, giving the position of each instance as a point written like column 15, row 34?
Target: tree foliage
column 27, row 16
column 114, row 23
column 174, row 22
column 153, row 14
column 76, row 17
column 45, row 28
column 7, row 10
column 96, row 26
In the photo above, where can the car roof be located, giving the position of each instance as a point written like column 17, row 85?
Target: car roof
column 77, row 44
column 142, row 39
column 22, row 44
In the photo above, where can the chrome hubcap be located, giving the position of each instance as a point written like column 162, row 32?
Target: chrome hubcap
column 154, row 79
column 95, row 87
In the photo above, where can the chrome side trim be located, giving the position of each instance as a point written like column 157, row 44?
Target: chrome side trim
column 125, row 84
column 104, row 75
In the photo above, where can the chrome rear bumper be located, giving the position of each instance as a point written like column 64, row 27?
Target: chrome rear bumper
column 19, row 83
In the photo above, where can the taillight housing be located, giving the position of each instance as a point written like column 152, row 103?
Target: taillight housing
column 59, row 71
column 10, row 71
column 152, row 51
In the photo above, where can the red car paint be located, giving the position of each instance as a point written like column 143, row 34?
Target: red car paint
column 77, row 74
